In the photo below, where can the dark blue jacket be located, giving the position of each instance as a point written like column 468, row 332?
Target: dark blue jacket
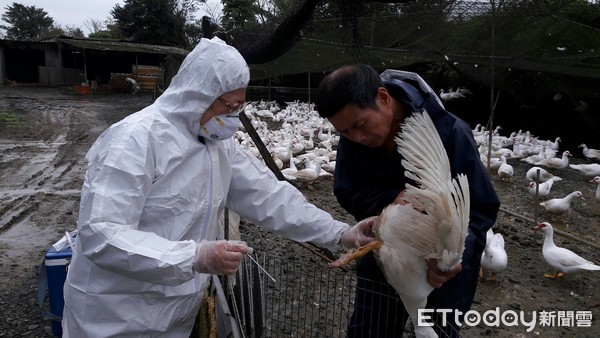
column 368, row 179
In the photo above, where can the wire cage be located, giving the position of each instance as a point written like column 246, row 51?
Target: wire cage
column 283, row 297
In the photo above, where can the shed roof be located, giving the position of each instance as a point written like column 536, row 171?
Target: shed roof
column 116, row 45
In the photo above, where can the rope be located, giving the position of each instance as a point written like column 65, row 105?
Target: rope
column 556, row 231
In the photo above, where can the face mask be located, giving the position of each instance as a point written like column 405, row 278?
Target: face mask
column 220, row 127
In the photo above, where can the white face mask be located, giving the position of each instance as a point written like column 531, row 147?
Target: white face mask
column 220, row 127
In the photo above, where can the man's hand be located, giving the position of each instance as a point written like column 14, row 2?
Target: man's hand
column 436, row 277
column 400, row 198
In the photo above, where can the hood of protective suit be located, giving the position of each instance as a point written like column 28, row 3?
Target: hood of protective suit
column 212, row 69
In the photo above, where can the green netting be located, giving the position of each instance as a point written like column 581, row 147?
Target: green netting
column 555, row 37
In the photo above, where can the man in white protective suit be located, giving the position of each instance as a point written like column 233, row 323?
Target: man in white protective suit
column 155, row 186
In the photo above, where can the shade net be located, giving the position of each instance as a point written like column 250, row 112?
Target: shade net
column 482, row 41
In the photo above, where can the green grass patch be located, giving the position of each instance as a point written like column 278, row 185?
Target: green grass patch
column 11, row 120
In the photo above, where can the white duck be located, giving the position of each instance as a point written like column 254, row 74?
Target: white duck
column 432, row 225
column 505, row 171
column 563, row 260
column 543, row 190
column 591, row 169
column 532, row 175
column 495, row 162
column 560, row 206
column 554, row 145
column 494, row 258
column 531, row 159
column 290, row 172
column 450, row 95
column 310, row 174
column 590, row 154
column 283, row 153
column 555, row 162
column 597, row 181
column 329, row 166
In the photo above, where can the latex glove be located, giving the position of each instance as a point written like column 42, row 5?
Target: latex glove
column 220, row 257
column 361, row 233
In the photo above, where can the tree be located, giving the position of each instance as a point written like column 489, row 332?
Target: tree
column 156, row 21
column 109, row 30
column 73, row 31
column 213, row 10
column 26, row 22
column 236, row 13
column 94, row 26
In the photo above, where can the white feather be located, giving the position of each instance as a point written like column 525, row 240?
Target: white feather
column 433, row 224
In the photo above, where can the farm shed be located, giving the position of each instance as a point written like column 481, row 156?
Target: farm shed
column 70, row 61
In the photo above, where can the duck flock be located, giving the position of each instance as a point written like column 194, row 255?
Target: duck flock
column 303, row 145
column 544, row 161
column 300, row 141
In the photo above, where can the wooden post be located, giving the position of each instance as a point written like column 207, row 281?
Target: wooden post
column 261, row 146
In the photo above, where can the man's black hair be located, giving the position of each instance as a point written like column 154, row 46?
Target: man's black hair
column 352, row 84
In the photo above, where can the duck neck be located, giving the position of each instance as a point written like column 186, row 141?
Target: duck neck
column 549, row 239
column 318, row 168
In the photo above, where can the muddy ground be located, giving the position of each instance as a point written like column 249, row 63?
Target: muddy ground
column 45, row 133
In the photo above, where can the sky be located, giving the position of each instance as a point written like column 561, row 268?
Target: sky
column 74, row 12
column 70, row 12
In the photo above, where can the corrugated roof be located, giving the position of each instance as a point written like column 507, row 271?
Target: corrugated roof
column 121, row 46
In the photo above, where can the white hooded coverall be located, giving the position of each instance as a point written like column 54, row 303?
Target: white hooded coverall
column 152, row 190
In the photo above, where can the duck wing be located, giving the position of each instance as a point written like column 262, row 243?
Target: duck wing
column 565, row 259
column 432, row 224
column 442, row 204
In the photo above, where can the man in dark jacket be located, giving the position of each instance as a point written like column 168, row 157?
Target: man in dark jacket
column 367, row 109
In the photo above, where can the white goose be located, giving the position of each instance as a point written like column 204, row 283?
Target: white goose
column 563, row 260
column 494, row 258
column 597, row 181
column 555, row 162
column 544, row 175
column 560, row 206
column 431, row 225
column 591, row 169
column 590, row 154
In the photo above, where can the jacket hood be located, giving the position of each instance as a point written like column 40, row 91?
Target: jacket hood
column 211, row 69
column 391, row 75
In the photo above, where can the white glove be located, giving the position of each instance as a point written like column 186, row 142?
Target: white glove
column 361, row 233
column 220, row 257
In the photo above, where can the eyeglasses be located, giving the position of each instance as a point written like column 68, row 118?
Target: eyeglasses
column 233, row 110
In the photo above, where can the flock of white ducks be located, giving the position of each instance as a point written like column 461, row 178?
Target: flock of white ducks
column 301, row 142
column 542, row 155
column 303, row 146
